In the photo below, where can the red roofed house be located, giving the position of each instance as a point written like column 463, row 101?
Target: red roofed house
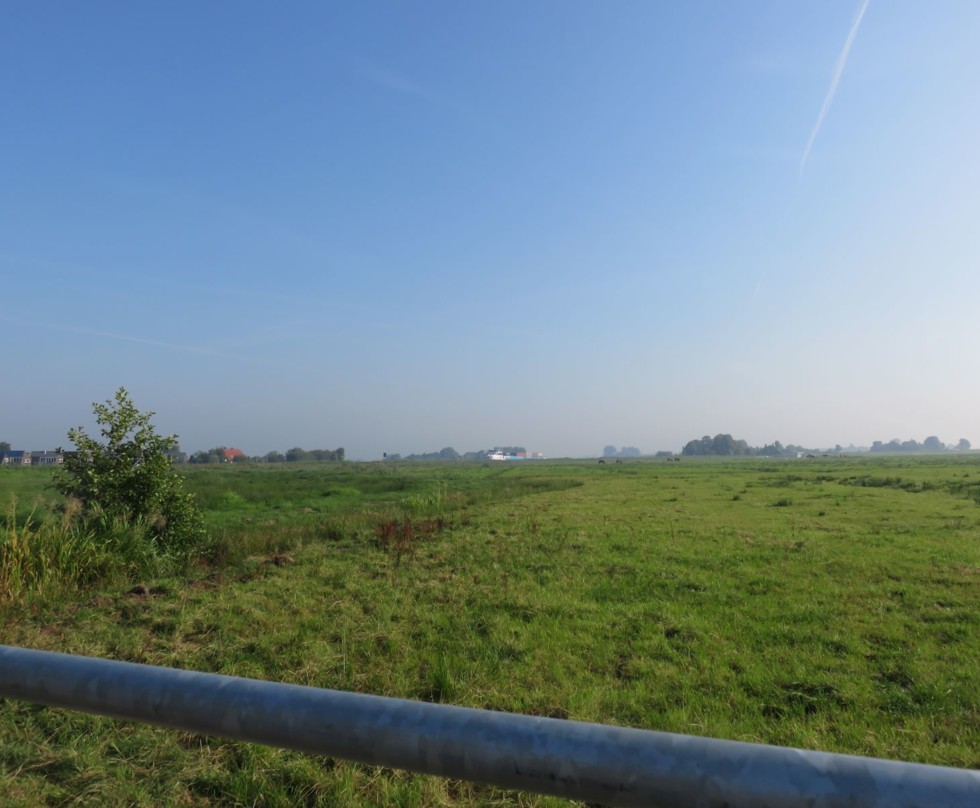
column 231, row 455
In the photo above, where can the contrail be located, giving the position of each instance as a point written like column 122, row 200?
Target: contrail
column 832, row 91
column 124, row 338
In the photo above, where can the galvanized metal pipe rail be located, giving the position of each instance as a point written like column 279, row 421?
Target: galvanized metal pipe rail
column 591, row 762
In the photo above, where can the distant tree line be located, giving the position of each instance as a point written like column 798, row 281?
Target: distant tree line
column 930, row 445
column 718, row 445
column 215, row 455
column 219, row 455
column 449, row 453
column 296, row 454
column 626, row 451
column 729, row 446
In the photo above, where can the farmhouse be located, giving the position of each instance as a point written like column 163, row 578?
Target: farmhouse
column 21, row 457
column 16, row 457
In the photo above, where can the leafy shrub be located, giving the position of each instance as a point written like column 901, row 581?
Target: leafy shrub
column 127, row 477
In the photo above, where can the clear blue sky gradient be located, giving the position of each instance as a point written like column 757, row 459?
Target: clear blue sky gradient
column 401, row 226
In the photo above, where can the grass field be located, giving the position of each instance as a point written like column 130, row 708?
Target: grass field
column 828, row 604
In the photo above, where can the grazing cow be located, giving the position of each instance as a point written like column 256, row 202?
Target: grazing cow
column 602, row 462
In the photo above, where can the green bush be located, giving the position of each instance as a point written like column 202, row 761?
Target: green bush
column 127, row 477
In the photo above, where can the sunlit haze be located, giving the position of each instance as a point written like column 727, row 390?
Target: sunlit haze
column 396, row 227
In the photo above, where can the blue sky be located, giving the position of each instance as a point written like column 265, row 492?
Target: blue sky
column 401, row 226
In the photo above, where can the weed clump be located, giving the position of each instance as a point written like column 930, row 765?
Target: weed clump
column 45, row 558
column 400, row 536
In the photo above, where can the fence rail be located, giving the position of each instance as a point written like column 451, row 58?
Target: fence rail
column 590, row 762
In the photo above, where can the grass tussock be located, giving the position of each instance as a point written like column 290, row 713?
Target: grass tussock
column 43, row 558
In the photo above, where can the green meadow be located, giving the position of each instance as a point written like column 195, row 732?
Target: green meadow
column 831, row 603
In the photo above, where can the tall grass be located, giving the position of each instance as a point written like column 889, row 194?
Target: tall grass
column 46, row 558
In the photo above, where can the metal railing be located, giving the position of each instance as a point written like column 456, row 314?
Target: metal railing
column 591, row 762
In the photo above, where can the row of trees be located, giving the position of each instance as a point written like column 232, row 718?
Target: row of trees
column 215, row 455
column 930, row 444
column 727, row 445
column 718, row 445
column 219, row 454
column 449, row 453
column 296, row 454
column 626, row 451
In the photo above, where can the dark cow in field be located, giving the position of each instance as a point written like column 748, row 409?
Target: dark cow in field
column 602, row 462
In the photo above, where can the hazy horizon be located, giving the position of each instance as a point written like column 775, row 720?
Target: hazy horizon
column 93, row 429
column 557, row 225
